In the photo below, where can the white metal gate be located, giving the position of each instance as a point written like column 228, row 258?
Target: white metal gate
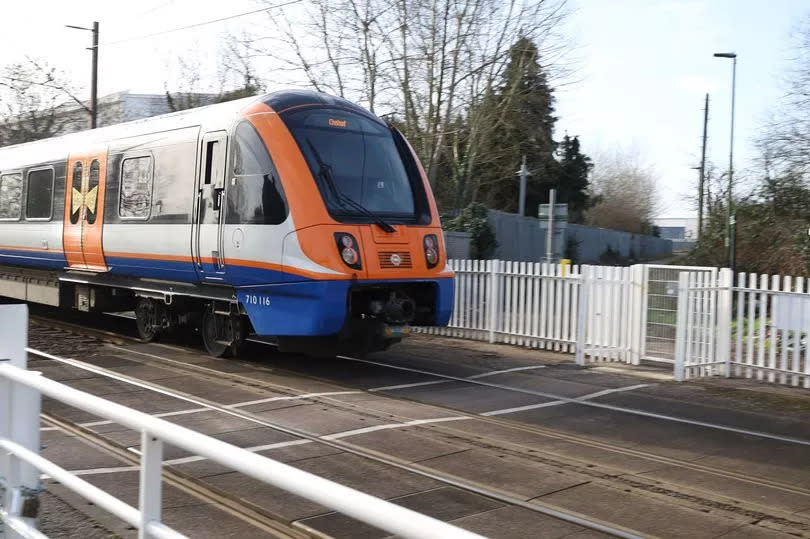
column 604, row 315
column 659, row 294
column 702, row 346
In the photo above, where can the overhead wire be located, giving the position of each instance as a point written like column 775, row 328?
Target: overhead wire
column 198, row 24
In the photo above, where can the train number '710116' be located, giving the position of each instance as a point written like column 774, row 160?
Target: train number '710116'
column 257, row 299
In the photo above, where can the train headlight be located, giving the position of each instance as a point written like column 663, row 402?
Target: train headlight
column 349, row 250
column 431, row 245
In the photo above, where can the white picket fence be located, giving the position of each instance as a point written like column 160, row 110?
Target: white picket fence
column 691, row 317
column 540, row 305
column 756, row 329
column 523, row 303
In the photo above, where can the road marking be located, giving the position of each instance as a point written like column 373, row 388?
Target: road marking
column 236, row 405
column 355, row 432
column 493, row 373
column 403, row 386
column 558, row 402
column 473, row 377
column 277, row 445
column 254, row 449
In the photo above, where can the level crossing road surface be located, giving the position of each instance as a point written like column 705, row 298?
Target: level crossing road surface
column 489, row 437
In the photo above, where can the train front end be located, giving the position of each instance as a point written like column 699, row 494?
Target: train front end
column 366, row 260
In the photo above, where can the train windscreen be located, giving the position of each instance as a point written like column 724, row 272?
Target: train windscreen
column 356, row 163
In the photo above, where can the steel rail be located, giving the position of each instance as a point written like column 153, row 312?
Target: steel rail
column 358, row 505
column 540, row 507
column 592, row 404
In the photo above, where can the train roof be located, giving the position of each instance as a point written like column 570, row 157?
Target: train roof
column 210, row 117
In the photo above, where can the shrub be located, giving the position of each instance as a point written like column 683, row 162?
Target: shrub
column 474, row 219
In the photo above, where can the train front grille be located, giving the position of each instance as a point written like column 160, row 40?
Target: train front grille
column 395, row 259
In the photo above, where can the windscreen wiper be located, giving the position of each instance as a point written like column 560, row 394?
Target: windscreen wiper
column 326, row 172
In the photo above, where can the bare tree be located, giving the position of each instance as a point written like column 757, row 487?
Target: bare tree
column 624, row 193
column 236, row 76
column 426, row 64
column 237, row 71
column 36, row 101
column 187, row 92
column 785, row 144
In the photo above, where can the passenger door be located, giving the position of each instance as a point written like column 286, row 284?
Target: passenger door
column 209, row 209
column 83, row 225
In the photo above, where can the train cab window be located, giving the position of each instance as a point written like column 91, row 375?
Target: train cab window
column 10, row 195
column 39, row 200
column 91, row 198
column 136, row 188
column 254, row 193
column 76, row 193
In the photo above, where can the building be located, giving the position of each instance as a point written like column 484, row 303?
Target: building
column 118, row 108
column 682, row 231
column 125, row 106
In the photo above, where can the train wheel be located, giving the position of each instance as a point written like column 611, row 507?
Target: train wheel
column 146, row 319
column 222, row 335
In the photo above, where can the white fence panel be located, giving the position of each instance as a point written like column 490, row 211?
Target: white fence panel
column 521, row 303
column 704, row 325
column 603, row 302
column 771, row 329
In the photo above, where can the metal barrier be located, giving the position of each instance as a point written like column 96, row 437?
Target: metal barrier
column 20, row 463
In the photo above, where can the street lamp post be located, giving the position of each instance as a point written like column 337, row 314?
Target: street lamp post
column 732, row 222
column 94, row 73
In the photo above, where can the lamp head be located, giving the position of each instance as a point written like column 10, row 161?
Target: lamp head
column 725, row 55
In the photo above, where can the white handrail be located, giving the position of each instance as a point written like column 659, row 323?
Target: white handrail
column 364, row 507
column 90, row 492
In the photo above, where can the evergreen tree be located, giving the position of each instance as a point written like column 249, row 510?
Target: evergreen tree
column 572, row 183
column 522, row 111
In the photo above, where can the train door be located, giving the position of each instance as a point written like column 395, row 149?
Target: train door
column 209, row 211
column 84, row 211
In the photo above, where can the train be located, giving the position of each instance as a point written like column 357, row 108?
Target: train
column 294, row 215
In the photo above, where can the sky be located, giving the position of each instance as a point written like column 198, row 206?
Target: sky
column 642, row 68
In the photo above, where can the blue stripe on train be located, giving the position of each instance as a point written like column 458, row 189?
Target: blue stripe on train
column 277, row 303
column 319, row 307
column 36, row 259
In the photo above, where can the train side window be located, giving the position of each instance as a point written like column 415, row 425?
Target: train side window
column 210, row 151
column 76, row 193
column 91, row 198
column 39, row 201
column 255, row 194
column 136, row 188
column 10, row 196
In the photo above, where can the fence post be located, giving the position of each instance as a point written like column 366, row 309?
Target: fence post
column 582, row 307
column 725, row 299
column 644, row 300
column 680, row 331
column 150, row 497
column 19, row 422
column 637, row 332
column 492, row 297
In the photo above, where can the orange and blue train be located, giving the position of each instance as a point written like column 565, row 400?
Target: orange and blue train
column 295, row 215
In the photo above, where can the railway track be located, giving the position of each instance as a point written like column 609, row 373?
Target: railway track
column 593, row 469
column 252, row 514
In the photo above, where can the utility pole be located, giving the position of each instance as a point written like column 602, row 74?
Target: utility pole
column 94, row 80
column 94, row 73
column 701, row 182
column 524, row 176
column 732, row 221
column 550, row 251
